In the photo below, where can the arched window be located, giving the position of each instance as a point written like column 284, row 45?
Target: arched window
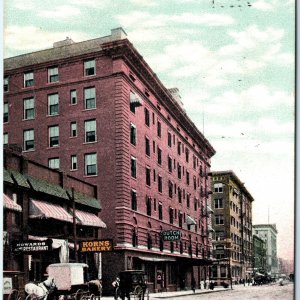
column 134, row 237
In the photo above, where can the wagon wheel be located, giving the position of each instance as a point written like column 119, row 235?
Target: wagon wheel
column 138, row 292
column 78, row 295
column 14, row 295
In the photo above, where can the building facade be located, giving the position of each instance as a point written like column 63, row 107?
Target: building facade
column 232, row 224
column 259, row 254
column 96, row 110
column 46, row 212
column 268, row 233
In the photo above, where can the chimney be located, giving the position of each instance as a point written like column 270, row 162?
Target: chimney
column 118, row 34
column 176, row 96
column 65, row 42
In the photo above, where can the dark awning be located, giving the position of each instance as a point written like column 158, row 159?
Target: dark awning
column 10, row 204
column 157, row 259
column 45, row 210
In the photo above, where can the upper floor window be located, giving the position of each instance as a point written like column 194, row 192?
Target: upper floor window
column 158, row 129
column 169, row 139
column 73, row 129
column 53, row 74
column 28, row 137
column 178, row 147
column 187, row 175
column 53, row 104
column 171, row 215
column 187, row 154
column 159, row 156
column 6, row 84
column 5, row 113
column 132, row 134
column 29, row 109
column 147, row 146
column 53, row 163
column 73, row 97
column 194, row 161
column 147, row 117
column 53, row 136
column 90, row 131
column 90, row 98
column 73, row 162
column 218, row 187
column 28, row 79
column 178, row 171
column 160, row 211
column 159, row 183
column 5, row 138
column 90, row 161
column 219, row 203
column 133, row 167
column 89, row 67
column 149, row 206
column 148, row 176
column 170, row 189
column 170, row 163
column 219, row 219
column 133, row 200
column 188, row 197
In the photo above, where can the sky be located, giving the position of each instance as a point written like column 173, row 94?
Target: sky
column 232, row 61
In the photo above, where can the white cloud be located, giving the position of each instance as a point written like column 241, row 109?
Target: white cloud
column 91, row 3
column 144, row 2
column 263, row 5
column 60, row 12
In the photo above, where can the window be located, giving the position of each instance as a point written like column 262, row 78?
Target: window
column 53, row 163
column 53, row 136
column 90, row 98
column 169, row 139
column 220, row 235
column 159, row 183
column 5, row 113
column 53, row 104
column 90, row 161
column 73, row 97
column 28, row 139
column 133, row 167
column 147, row 117
column 148, row 176
column 170, row 189
column 169, row 164
column 90, row 131
column 149, row 206
column 187, row 174
column 159, row 155
column 5, row 138
column 28, row 109
column 6, row 84
column 188, row 200
column 223, row 271
column 178, row 147
column 187, row 155
column 180, row 219
column 179, row 171
column 133, row 200
column 195, row 204
column 219, row 203
column 219, row 219
column 195, row 183
column 53, row 74
column 134, row 238
column 132, row 134
column 149, row 241
column 158, row 129
column 147, row 146
column 179, row 193
column 218, row 187
column 73, row 162
column 171, row 216
column 160, row 211
column 28, row 79
column 89, row 67
column 73, row 129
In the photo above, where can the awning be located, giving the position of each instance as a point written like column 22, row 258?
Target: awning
column 10, row 204
column 157, row 259
column 135, row 100
column 209, row 209
column 210, row 229
column 190, row 221
column 45, row 210
column 89, row 219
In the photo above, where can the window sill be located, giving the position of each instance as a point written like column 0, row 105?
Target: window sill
column 30, row 150
column 53, row 147
column 73, row 170
column 27, row 119
column 87, row 176
column 88, row 109
column 52, row 115
column 87, row 143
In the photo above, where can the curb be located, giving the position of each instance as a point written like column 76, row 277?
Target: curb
column 189, row 294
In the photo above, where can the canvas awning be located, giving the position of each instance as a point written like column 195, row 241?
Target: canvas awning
column 45, row 210
column 89, row 219
column 135, row 100
column 210, row 229
column 190, row 221
column 8, row 203
column 209, row 209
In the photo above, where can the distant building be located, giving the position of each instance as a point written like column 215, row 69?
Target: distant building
column 232, row 224
column 96, row 110
column 268, row 233
column 259, row 254
column 285, row 266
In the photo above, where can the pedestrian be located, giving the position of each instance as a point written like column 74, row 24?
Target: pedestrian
column 193, row 284
column 204, row 284
column 116, row 284
column 207, row 283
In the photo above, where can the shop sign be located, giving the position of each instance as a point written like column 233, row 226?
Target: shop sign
column 96, row 246
column 31, row 246
column 170, row 235
column 7, row 285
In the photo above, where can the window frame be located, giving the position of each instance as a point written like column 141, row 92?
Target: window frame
column 6, row 84
column 5, row 112
column 73, row 158
column 90, row 134
column 54, row 160
column 26, row 141
column 54, row 77
column 28, row 82
column 88, row 69
column 72, row 97
column 28, row 111
column 73, row 131
column 90, row 103
column 54, row 98
column 132, row 134
column 133, row 164
column 92, row 156
column 133, row 200
column 53, row 139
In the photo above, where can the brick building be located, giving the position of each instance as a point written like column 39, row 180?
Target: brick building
column 38, row 208
column 232, row 223
column 259, row 254
column 96, row 110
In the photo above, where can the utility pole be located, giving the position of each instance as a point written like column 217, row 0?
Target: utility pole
column 74, row 226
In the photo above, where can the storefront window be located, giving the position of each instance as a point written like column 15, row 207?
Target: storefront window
column 172, row 276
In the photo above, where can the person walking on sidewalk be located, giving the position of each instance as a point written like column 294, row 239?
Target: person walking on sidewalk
column 193, row 284
column 116, row 284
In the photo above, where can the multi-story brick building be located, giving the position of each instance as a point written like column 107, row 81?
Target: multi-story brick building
column 268, row 233
column 232, row 223
column 48, row 207
column 259, row 254
column 95, row 109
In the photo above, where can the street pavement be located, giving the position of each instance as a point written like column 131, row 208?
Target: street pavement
column 264, row 292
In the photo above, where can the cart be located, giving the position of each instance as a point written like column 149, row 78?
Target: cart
column 133, row 283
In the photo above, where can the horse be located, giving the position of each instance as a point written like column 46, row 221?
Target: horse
column 42, row 289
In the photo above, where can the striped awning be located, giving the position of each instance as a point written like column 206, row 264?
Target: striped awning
column 44, row 210
column 10, row 204
column 210, row 229
column 89, row 219
column 190, row 221
column 135, row 100
column 209, row 209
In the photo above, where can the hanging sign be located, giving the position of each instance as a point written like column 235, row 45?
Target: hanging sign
column 171, row 235
column 31, row 246
column 96, row 246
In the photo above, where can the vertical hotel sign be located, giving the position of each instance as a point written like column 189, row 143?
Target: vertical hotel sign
column 96, row 246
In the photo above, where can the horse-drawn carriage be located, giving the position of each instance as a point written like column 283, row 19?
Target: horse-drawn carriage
column 132, row 283
column 66, row 281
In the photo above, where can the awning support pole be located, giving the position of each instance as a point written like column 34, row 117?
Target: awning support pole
column 74, row 227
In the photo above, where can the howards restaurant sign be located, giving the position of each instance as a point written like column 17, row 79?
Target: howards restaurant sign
column 30, row 246
column 170, row 235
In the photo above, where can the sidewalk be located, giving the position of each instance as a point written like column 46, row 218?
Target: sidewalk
column 175, row 294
